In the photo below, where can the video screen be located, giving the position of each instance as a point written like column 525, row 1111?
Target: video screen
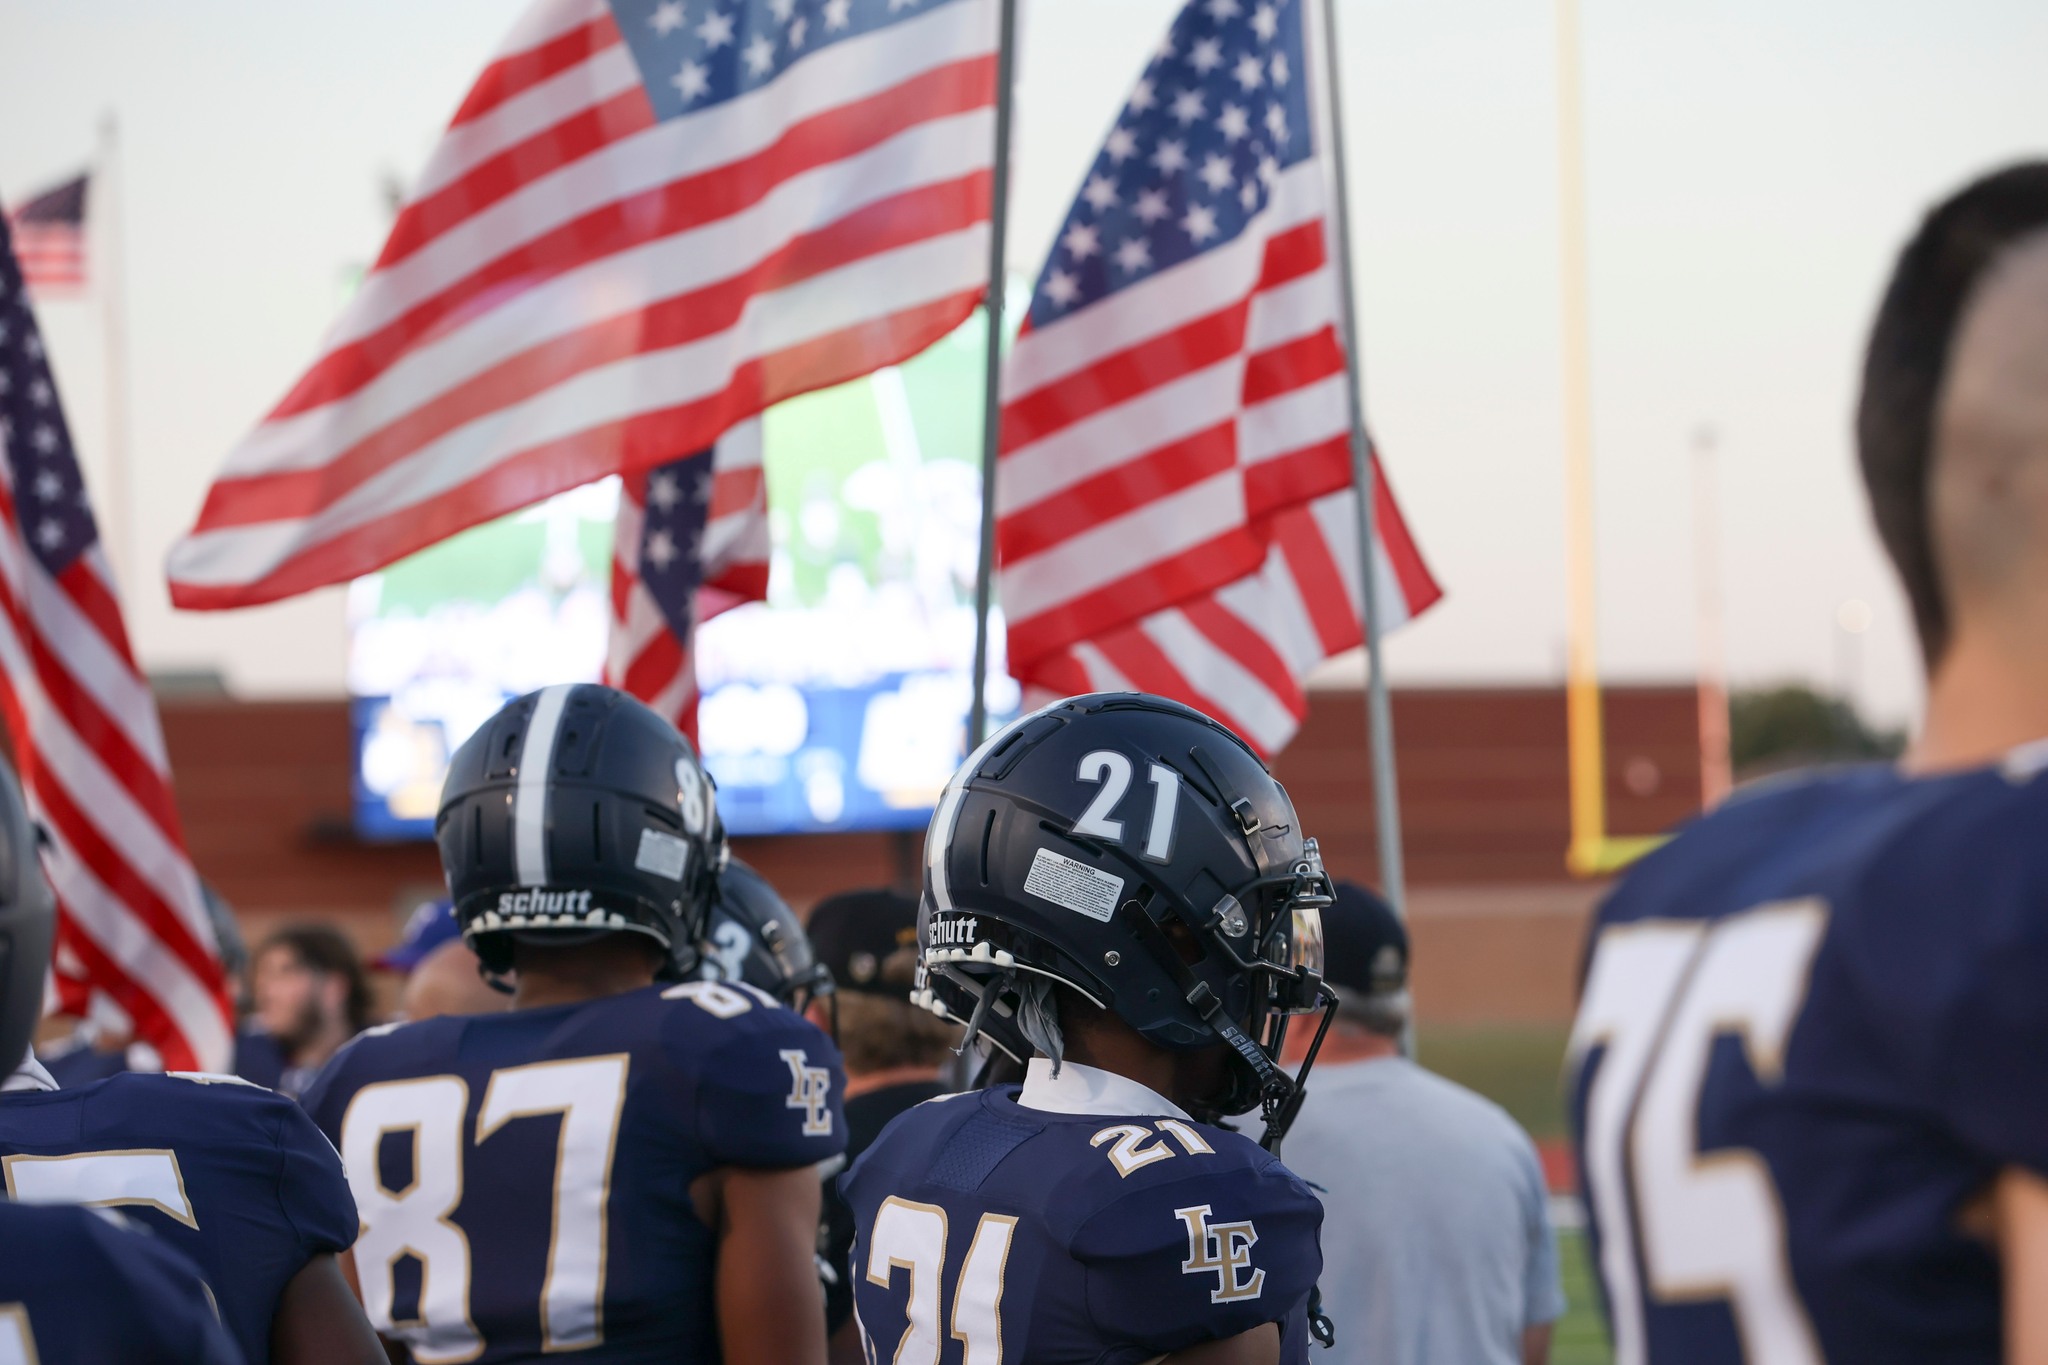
column 840, row 703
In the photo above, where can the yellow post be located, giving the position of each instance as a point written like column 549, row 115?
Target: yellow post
column 1591, row 851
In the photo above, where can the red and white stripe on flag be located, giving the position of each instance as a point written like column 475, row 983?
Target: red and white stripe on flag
column 87, row 739
column 1244, row 652
column 637, row 232
column 49, row 238
column 646, row 657
column 1175, row 462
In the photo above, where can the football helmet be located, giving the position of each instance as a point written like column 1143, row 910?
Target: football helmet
column 753, row 936
column 28, row 921
column 1136, row 852
column 577, row 811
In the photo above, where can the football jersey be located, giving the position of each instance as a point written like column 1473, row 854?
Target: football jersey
column 80, row 1288
column 524, row 1178
column 1813, row 1029
column 987, row 1229
column 232, row 1176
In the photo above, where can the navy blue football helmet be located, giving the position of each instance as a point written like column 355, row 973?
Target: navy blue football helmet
column 577, row 811
column 1137, row 853
column 753, row 936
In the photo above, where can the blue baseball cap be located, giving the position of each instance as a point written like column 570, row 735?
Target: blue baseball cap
column 431, row 925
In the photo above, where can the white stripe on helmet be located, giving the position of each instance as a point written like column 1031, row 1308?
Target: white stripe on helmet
column 530, row 801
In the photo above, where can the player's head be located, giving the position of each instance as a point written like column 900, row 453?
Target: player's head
column 575, row 813
column 28, row 921
column 1123, row 855
column 1952, row 428
column 753, row 936
column 311, row 991
column 869, row 941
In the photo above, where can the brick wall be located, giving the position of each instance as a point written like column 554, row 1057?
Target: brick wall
column 264, row 792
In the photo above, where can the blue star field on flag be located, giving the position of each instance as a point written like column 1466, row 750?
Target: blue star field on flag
column 49, row 492
column 1221, row 109
column 693, row 54
column 678, row 503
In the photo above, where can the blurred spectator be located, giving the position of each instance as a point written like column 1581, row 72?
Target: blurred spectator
column 431, row 924
column 449, row 980
column 312, row 995
column 894, row 1053
column 442, row 974
column 1437, row 1244
column 103, row 1043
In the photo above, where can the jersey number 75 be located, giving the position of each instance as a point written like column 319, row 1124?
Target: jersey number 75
column 1658, row 993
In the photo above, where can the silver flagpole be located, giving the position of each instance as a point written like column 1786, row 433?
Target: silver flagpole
column 104, row 207
column 991, row 400
column 1386, row 800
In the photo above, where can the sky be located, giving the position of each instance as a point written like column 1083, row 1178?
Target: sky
column 1752, row 169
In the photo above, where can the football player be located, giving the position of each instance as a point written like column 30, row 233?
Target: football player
column 78, row 1284
column 1811, row 1061
column 1118, row 879
column 84, row 1285
column 753, row 936
column 617, row 1165
column 232, row 1176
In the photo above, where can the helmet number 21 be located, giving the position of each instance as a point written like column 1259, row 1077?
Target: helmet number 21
column 1110, row 772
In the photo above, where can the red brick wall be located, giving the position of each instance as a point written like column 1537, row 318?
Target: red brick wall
column 264, row 791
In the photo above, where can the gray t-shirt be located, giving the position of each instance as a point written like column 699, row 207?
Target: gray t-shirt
column 1437, row 1244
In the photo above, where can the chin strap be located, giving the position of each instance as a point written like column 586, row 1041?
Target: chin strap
column 1319, row 1325
column 1278, row 1120
column 1281, row 1117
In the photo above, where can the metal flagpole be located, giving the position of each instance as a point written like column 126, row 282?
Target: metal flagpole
column 104, row 208
column 991, row 399
column 1386, row 800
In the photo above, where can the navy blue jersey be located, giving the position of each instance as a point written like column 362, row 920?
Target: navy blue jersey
column 75, row 1062
column 1814, row 1028
column 232, row 1176
column 524, row 1178
column 987, row 1230
column 77, row 1288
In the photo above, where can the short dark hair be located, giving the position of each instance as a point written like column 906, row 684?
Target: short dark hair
column 323, row 948
column 1907, row 360
column 877, row 1033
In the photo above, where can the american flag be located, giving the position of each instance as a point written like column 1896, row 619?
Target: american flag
column 49, row 238
column 691, row 541
column 86, row 736
column 649, row 221
column 1174, row 486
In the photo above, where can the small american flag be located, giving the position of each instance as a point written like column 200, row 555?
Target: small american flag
column 691, row 541
column 649, row 221
column 86, row 736
column 1174, row 490
column 49, row 238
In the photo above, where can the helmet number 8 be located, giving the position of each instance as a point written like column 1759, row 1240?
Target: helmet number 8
column 1110, row 771
column 691, row 796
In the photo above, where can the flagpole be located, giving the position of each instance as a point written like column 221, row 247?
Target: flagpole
column 991, row 399
column 1386, row 799
column 103, row 210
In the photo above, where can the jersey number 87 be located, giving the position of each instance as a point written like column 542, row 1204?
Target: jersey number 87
column 587, row 1092
column 1658, row 993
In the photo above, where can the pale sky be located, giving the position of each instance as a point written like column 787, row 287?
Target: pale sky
column 1753, row 167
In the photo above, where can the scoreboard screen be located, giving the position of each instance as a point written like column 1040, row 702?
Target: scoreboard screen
column 838, row 704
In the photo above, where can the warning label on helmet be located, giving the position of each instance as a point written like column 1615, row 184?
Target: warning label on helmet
column 1073, row 885
column 662, row 854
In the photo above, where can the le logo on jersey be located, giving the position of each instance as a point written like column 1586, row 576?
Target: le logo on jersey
column 1223, row 1250
column 810, row 1089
